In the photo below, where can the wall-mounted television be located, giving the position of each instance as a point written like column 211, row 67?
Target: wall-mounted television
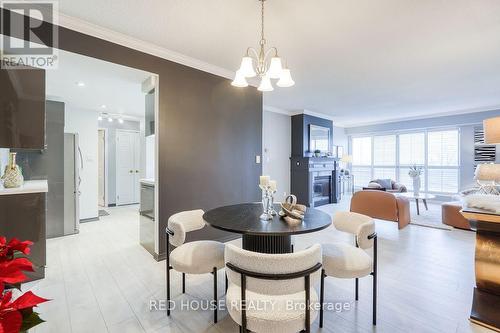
column 319, row 138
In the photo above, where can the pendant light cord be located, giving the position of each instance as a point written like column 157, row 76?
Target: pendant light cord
column 262, row 22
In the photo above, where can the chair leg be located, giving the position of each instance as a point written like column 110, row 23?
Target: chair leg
column 322, row 298
column 374, row 298
column 225, row 275
column 215, row 294
column 183, row 283
column 168, row 276
column 357, row 288
column 375, row 251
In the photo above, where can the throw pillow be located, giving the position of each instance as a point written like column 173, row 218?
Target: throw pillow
column 385, row 183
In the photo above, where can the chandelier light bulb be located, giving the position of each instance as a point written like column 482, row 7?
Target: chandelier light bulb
column 275, row 68
column 120, row 120
column 246, row 68
column 285, row 80
column 265, row 84
column 239, row 80
column 99, row 118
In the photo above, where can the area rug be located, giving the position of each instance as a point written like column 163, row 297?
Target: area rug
column 428, row 218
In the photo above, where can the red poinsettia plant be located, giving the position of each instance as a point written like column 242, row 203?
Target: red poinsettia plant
column 16, row 315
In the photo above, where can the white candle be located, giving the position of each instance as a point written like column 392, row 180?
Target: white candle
column 272, row 185
column 264, row 180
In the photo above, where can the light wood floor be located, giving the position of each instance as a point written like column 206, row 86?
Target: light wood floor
column 102, row 281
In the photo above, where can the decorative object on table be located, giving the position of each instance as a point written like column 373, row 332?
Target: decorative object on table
column 264, row 67
column 489, row 202
column 291, row 211
column 16, row 315
column 415, row 173
column 12, row 177
column 268, row 188
column 492, row 130
column 317, row 153
column 488, row 178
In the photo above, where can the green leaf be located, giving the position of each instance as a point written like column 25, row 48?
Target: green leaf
column 30, row 319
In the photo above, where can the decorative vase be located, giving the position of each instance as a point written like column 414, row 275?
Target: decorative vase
column 12, row 176
column 416, row 185
column 266, row 204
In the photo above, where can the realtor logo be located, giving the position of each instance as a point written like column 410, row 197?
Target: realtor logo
column 29, row 34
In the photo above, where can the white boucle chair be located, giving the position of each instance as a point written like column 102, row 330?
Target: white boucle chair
column 198, row 257
column 277, row 289
column 346, row 261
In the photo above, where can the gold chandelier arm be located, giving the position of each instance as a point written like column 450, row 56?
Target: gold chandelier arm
column 269, row 51
column 252, row 52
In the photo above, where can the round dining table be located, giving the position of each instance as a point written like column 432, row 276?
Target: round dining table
column 271, row 236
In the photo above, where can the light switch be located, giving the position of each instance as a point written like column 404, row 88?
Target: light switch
column 257, row 159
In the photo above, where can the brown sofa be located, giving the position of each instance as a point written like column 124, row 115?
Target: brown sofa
column 382, row 205
column 451, row 215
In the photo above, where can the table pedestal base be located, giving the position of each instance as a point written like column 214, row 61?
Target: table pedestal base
column 267, row 243
column 485, row 310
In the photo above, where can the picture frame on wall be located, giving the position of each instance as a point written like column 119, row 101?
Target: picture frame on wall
column 340, row 151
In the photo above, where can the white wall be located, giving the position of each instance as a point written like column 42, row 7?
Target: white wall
column 276, row 150
column 85, row 123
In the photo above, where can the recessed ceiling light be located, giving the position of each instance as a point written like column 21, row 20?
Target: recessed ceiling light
column 99, row 118
column 80, row 84
column 110, row 119
column 120, row 120
column 103, row 106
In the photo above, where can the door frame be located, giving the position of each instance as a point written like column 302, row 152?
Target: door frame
column 116, row 158
column 106, row 165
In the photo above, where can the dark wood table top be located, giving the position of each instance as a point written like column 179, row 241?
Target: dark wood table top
column 244, row 219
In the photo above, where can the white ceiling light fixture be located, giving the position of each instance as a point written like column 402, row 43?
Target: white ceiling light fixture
column 110, row 119
column 120, row 120
column 260, row 63
column 80, row 84
column 99, row 118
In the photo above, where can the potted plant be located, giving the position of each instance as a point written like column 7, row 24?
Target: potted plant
column 16, row 315
column 317, row 153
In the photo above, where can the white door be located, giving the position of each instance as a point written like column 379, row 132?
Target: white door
column 127, row 167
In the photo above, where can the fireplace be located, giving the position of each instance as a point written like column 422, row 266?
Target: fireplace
column 322, row 190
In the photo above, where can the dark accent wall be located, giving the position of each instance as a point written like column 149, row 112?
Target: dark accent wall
column 209, row 131
column 300, row 133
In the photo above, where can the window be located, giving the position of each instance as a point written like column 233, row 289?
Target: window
column 362, row 151
column 384, row 150
column 362, row 160
column 442, row 148
column 412, row 149
column 390, row 156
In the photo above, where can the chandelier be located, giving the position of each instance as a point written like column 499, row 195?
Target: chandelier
column 258, row 63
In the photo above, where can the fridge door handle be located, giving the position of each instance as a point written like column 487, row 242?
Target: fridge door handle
column 81, row 157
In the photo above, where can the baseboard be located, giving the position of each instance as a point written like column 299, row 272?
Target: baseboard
column 112, row 205
column 92, row 219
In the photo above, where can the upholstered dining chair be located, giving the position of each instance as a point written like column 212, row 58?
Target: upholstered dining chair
column 197, row 257
column 272, row 292
column 347, row 261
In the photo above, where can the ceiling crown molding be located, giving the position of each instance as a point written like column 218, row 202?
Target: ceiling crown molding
column 137, row 44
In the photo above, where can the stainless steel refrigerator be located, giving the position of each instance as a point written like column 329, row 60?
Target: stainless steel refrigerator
column 73, row 162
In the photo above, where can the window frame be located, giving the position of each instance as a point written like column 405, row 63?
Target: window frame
column 397, row 167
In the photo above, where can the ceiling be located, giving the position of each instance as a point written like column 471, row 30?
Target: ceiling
column 359, row 62
column 116, row 87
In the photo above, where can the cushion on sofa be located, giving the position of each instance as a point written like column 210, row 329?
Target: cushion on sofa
column 385, row 183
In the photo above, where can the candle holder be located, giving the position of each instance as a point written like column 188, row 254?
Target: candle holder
column 267, row 203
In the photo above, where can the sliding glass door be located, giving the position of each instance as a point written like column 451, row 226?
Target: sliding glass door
column 389, row 156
